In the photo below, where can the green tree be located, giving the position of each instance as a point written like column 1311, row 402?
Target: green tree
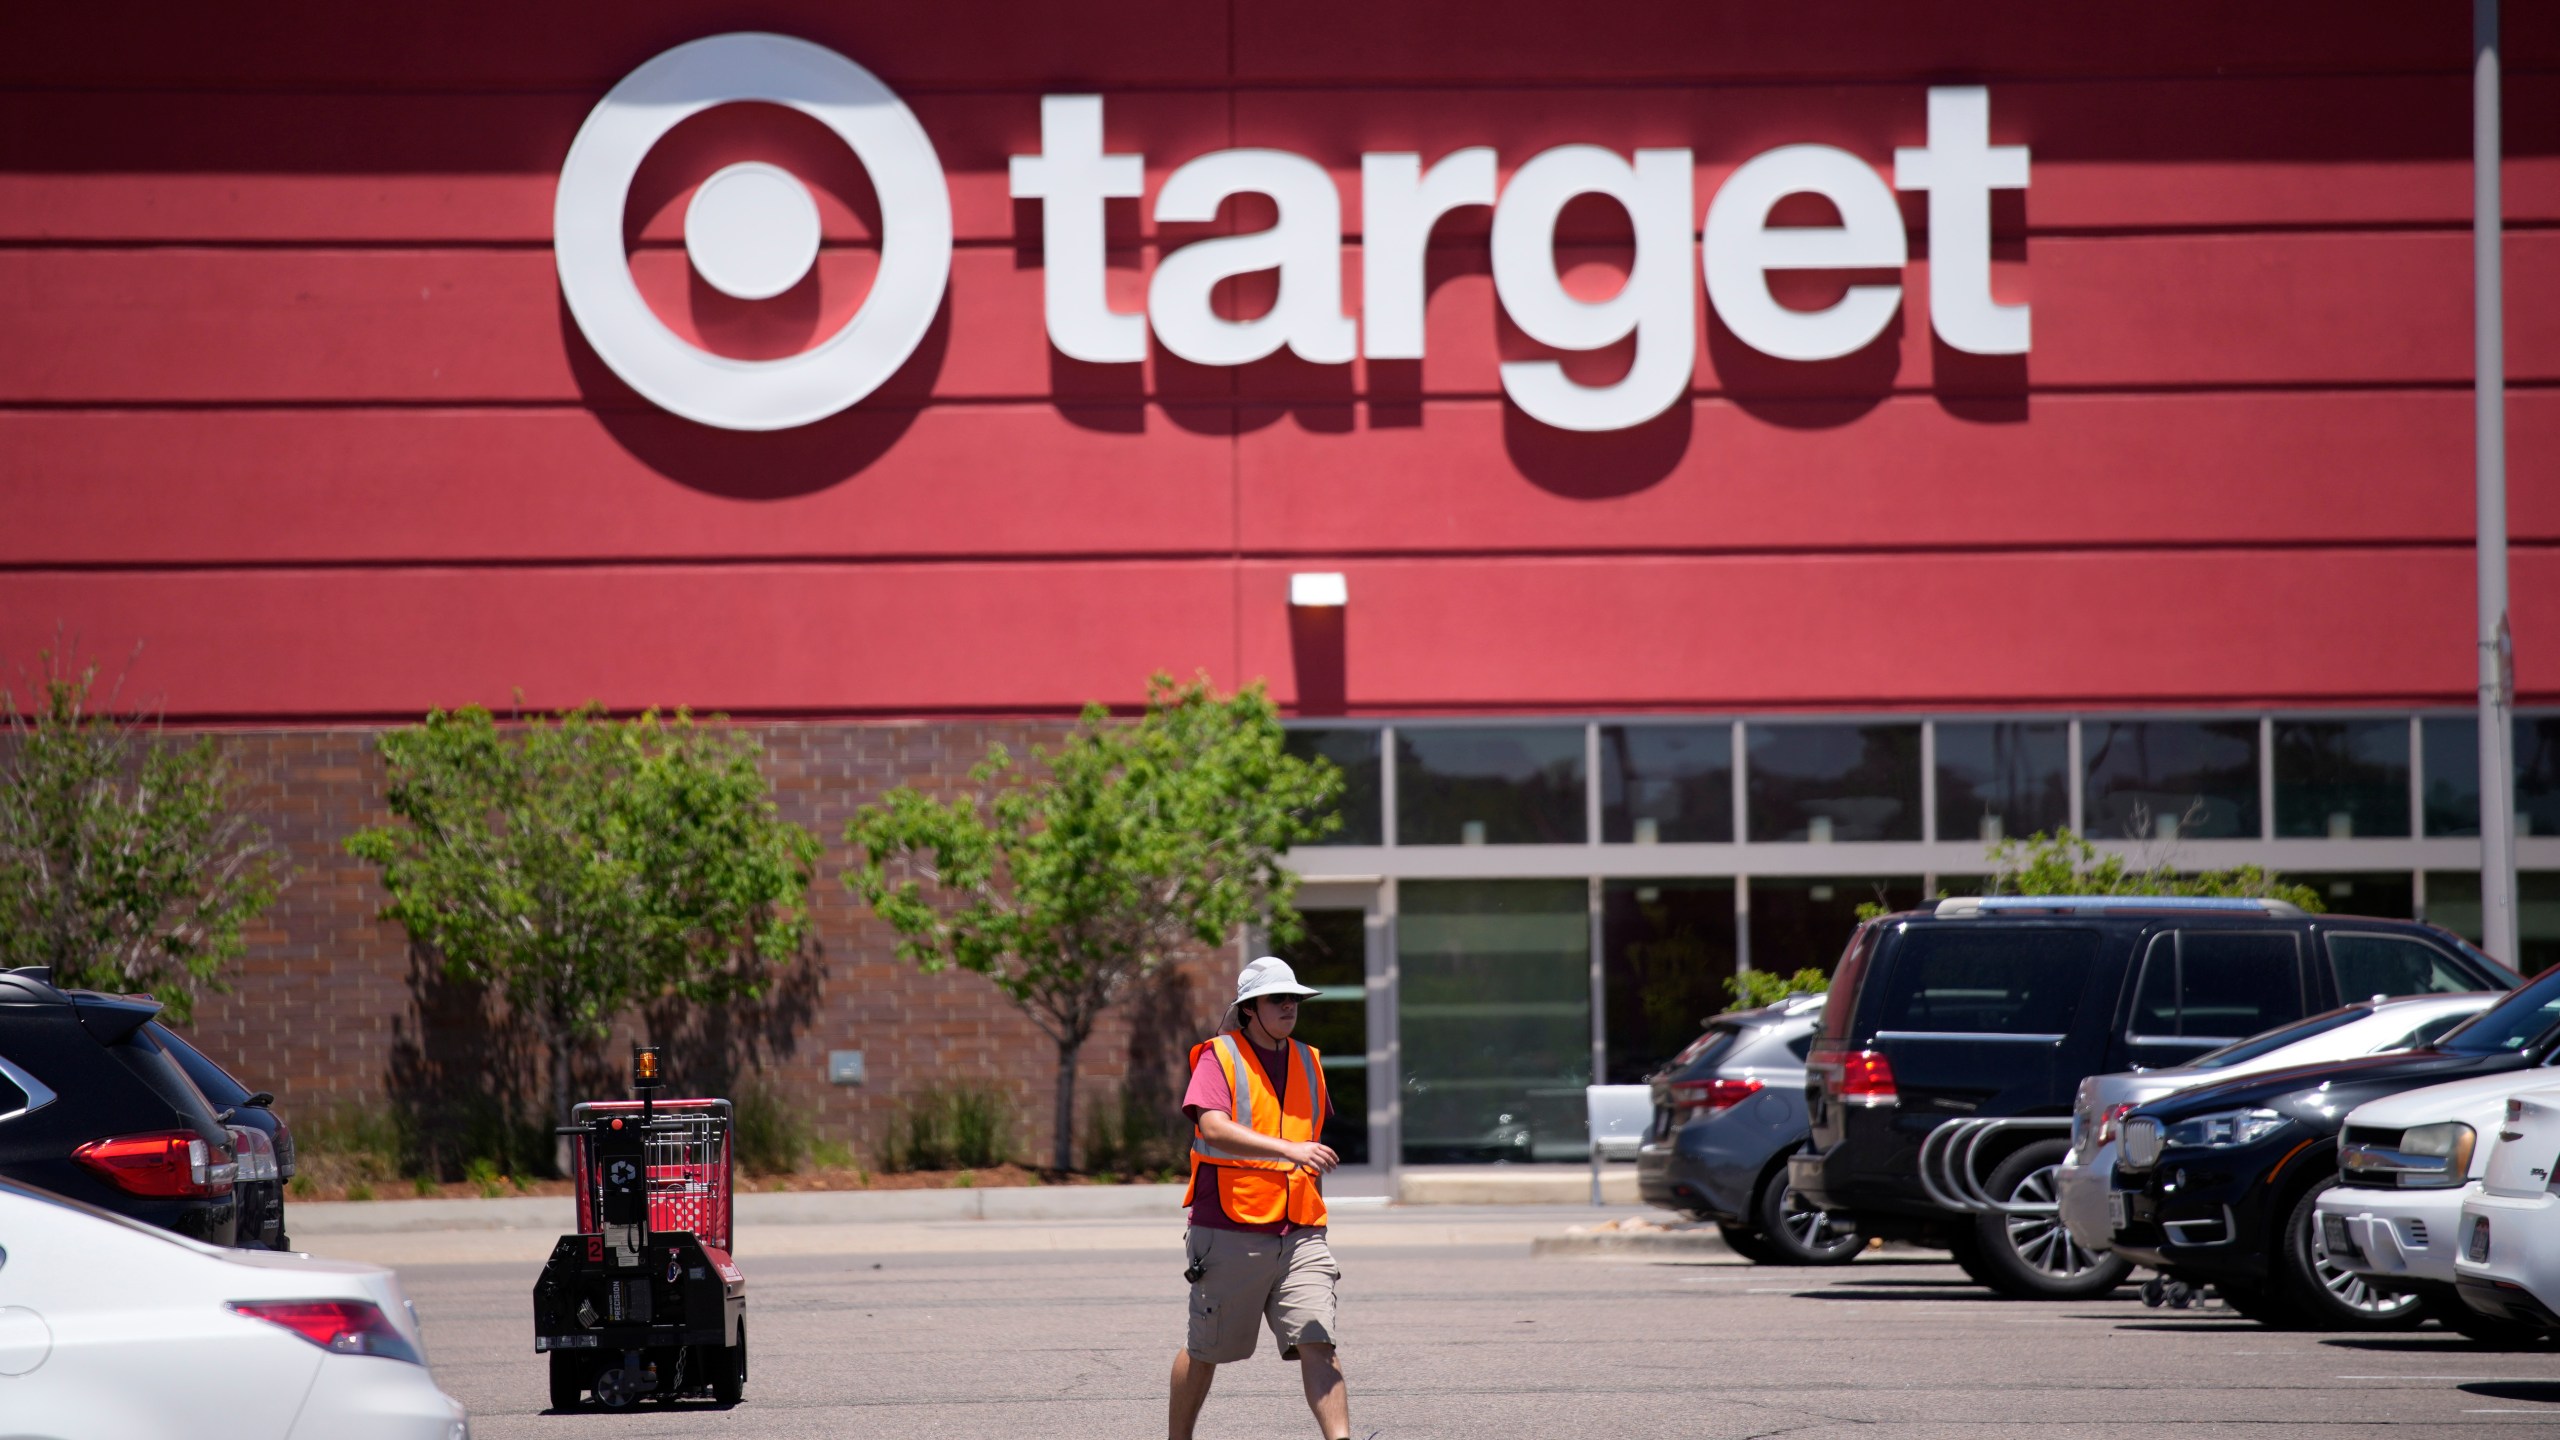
column 1066, row 884
column 582, row 865
column 1752, row 989
column 2065, row 863
column 124, row 862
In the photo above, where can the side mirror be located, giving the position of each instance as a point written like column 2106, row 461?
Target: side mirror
column 261, row 1100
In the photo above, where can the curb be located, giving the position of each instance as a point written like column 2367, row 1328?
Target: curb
column 1634, row 1245
column 557, row 1214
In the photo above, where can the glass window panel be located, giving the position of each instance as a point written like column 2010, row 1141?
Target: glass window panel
column 1494, row 992
column 1355, row 753
column 1666, row 783
column 1834, row 782
column 2233, row 984
column 2538, row 775
column 2160, row 779
column 1490, row 785
column 1802, row 923
column 1666, row 950
column 2370, row 965
column 2453, row 902
column 2342, row 778
column 2004, row 778
column 2537, row 921
column 1990, row 981
column 2387, row 894
column 1333, row 957
column 2451, row 773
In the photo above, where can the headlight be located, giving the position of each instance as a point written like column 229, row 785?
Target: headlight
column 2223, row 1130
column 2141, row 1142
column 2430, row 1157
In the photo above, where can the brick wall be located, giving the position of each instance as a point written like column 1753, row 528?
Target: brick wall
column 329, row 1007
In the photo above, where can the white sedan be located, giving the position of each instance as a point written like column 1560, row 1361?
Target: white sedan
column 113, row 1330
column 2368, row 1027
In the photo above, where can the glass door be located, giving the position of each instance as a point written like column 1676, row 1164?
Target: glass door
column 1333, row 957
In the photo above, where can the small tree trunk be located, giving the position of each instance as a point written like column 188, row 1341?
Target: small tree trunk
column 1062, row 1152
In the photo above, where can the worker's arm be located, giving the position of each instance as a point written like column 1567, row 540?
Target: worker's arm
column 1220, row 1129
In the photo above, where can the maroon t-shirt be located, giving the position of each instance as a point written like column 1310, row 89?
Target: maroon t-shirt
column 1208, row 1091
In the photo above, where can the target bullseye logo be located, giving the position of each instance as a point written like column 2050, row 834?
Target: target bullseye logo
column 752, row 232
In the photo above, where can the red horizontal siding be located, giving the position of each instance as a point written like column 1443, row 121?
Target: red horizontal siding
column 93, row 487
column 580, row 44
column 93, row 326
column 2327, row 626
column 315, row 168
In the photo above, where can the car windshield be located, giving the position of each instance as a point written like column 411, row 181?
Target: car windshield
column 2280, row 1037
column 2511, row 1024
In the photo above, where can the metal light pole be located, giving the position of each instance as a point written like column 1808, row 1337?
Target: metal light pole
column 2489, row 402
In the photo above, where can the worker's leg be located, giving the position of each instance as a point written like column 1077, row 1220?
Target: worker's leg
column 1190, row 1391
column 1320, row 1370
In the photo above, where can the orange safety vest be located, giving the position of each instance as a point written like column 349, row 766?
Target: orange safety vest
column 1254, row 1190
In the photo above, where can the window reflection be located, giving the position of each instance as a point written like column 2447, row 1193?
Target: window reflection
column 1800, row 923
column 1490, row 785
column 1494, row 1006
column 2162, row 779
column 2003, row 779
column 2451, row 773
column 2538, row 775
column 2385, row 895
column 1834, row 782
column 1355, row 753
column 2342, row 778
column 1666, row 951
column 1666, row 783
column 2453, row 901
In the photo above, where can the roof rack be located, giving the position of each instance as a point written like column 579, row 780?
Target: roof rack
column 1966, row 907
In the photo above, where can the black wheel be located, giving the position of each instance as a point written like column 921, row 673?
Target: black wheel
column 729, row 1370
column 1748, row 1243
column 2488, row 1330
column 2029, row 1255
column 1798, row 1234
column 568, row 1380
column 2325, row 1295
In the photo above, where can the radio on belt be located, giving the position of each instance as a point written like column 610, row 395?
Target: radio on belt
column 644, row 1300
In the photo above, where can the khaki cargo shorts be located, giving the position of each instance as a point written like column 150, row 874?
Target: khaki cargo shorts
column 1246, row 1279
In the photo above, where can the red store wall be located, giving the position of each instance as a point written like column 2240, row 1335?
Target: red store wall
column 289, row 396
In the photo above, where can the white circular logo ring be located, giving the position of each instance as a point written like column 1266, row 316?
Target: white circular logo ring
column 915, row 244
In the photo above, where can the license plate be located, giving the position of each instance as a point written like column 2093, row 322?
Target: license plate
column 564, row 1342
column 2115, row 1209
column 2333, row 1229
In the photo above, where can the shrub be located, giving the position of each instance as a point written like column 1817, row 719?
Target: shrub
column 962, row 1127
column 1752, row 989
column 350, row 1146
column 773, row 1136
column 1125, row 1135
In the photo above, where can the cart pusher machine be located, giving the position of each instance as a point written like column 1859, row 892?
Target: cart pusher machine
column 644, row 1300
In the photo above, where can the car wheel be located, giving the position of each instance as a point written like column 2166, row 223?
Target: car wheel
column 2326, row 1295
column 1746, row 1242
column 568, row 1380
column 2029, row 1255
column 729, row 1370
column 1796, row 1233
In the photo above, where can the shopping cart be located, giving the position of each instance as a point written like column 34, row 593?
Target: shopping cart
column 644, row 1300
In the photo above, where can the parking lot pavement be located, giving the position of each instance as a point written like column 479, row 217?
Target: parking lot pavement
column 1443, row 1337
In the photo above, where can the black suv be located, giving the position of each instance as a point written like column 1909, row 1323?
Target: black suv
column 2220, row 1185
column 93, row 1108
column 260, row 1140
column 1940, row 1090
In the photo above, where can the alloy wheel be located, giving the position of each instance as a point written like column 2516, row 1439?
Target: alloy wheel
column 2350, row 1289
column 1812, row 1228
column 2039, row 1237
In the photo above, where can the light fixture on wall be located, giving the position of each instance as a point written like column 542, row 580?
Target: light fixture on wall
column 1319, row 588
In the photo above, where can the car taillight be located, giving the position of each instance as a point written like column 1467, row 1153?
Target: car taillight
column 2107, row 1120
column 1692, row 1098
column 1866, row 1078
column 166, row 1164
column 257, row 1153
column 342, row 1327
column 284, row 1150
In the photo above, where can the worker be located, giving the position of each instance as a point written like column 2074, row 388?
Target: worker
column 1256, row 1243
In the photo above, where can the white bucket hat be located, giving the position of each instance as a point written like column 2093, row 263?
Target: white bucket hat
column 1269, row 975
